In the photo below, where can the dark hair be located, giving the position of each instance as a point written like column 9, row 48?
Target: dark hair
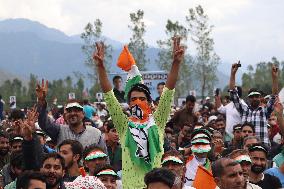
column 16, row 159
column 23, row 181
column 4, row 134
column 160, row 175
column 190, row 98
column 116, row 77
column 17, row 114
column 140, row 88
column 76, row 147
column 101, row 167
column 172, row 153
column 218, row 167
column 250, row 125
column 85, row 101
column 109, row 125
column 236, row 153
column 219, row 119
column 91, row 148
column 161, row 83
column 54, row 156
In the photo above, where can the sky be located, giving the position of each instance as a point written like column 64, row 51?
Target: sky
column 246, row 30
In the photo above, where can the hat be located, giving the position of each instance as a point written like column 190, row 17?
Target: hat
column 172, row 159
column 95, row 154
column 107, row 172
column 242, row 158
column 39, row 132
column 74, row 105
column 267, row 97
column 237, row 127
column 207, row 98
column 200, row 136
column 254, row 92
column 211, row 118
column 258, row 147
column 17, row 138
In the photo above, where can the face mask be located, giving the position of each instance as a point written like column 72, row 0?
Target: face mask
column 140, row 110
column 200, row 148
column 257, row 169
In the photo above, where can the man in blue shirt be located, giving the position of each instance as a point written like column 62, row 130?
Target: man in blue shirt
column 279, row 170
column 88, row 109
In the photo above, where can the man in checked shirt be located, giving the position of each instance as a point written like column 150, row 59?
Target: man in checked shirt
column 253, row 112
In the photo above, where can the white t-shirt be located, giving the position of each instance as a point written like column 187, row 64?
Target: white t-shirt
column 233, row 117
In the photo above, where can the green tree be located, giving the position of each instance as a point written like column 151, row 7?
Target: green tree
column 165, row 58
column 260, row 76
column 206, row 60
column 137, row 45
column 92, row 34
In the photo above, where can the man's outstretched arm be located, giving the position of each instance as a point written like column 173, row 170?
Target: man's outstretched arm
column 178, row 55
column 99, row 61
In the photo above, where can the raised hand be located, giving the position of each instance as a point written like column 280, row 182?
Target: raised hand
column 274, row 72
column 99, row 54
column 26, row 131
column 178, row 50
column 32, row 117
column 41, row 91
column 278, row 108
column 234, row 68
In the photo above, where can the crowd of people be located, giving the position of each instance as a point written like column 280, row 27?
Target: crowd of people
column 131, row 141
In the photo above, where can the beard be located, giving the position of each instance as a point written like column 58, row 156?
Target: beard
column 255, row 103
column 4, row 151
column 257, row 169
column 52, row 180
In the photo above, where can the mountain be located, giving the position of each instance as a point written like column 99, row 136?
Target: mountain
column 30, row 47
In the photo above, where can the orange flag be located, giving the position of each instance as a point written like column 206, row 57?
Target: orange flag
column 125, row 59
column 204, row 179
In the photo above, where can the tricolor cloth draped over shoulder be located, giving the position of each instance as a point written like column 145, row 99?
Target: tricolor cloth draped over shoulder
column 142, row 138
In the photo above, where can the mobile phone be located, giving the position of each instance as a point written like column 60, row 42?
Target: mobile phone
column 239, row 64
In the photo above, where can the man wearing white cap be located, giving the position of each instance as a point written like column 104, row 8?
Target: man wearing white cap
column 75, row 130
column 254, row 113
column 200, row 141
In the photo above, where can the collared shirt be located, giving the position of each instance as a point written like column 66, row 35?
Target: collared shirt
column 258, row 117
column 119, row 95
column 233, row 117
column 115, row 157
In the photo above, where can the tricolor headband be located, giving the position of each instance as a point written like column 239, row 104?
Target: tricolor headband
column 74, row 105
column 200, row 135
column 95, row 155
column 172, row 158
column 253, row 93
column 243, row 158
column 107, row 172
column 200, row 140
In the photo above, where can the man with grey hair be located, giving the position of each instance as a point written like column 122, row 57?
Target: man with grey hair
column 249, row 141
column 228, row 174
